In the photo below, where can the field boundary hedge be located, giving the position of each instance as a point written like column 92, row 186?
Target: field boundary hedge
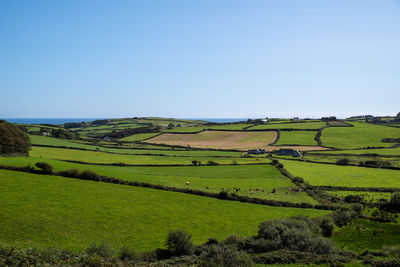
column 223, row 195
column 360, row 189
column 139, row 154
column 121, row 164
column 353, row 165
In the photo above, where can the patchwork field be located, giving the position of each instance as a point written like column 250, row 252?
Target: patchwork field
column 138, row 137
column 248, row 178
column 362, row 135
column 292, row 125
column 380, row 151
column 297, row 138
column 328, row 174
column 37, row 210
column 108, row 158
column 353, row 159
column 218, row 139
column 367, row 196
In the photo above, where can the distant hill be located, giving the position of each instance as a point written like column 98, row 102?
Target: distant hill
column 12, row 139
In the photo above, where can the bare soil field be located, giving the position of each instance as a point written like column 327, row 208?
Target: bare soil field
column 218, row 139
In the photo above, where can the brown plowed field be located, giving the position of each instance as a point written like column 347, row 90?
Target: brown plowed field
column 218, row 139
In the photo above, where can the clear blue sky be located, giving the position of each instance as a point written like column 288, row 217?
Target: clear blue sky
column 199, row 58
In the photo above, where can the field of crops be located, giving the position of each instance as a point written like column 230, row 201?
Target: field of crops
column 292, row 125
column 36, row 210
column 362, row 135
column 328, row 174
column 297, row 138
column 218, row 139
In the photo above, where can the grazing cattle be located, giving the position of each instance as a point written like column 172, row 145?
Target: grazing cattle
column 187, row 183
column 251, row 192
column 237, row 190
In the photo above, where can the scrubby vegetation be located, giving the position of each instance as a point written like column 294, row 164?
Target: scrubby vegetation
column 12, row 139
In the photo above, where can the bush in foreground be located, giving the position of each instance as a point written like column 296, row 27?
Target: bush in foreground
column 179, row 243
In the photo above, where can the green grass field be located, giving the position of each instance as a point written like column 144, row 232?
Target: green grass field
column 138, row 137
column 362, row 135
column 348, row 237
column 192, row 129
column 37, row 210
column 236, row 127
column 297, row 138
column 368, row 196
column 327, row 174
column 353, row 159
column 204, row 178
column 50, row 141
column 108, row 158
column 380, row 151
column 293, row 125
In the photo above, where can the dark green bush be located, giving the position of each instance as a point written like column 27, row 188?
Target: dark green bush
column 344, row 161
column 45, row 167
column 342, row 217
column 211, row 162
column 103, row 250
column 298, row 179
column 127, row 253
column 179, row 243
column 226, row 256
column 327, row 226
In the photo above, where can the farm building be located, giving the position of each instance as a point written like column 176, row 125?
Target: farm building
column 288, row 152
column 259, row 151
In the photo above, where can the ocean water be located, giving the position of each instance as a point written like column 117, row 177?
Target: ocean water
column 65, row 120
column 47, row 120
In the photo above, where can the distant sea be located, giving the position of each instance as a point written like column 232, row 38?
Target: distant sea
column 47, row 120
column 64, row 120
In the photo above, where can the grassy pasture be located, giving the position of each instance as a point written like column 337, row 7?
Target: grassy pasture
column 237, row 127
column 218, row 139
column 37, row 210
column 108, row 158
column 351, row 176
column 387, row 234
column 190, row 129
column 204, row 178
column 138, row 137
column 51, row 141
column 297, row 138
column 368, row 196
column 380, row 151
column 361, row 135
column 332, row 158
column 293, row 125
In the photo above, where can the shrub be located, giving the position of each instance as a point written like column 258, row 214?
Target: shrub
column 45, row 167
column 195, row 162
column 298, row 179
column 12, row 139
column 70, row 173
column 211, row 162
column 327, row 226
column 395, row 199
column 103, row 250
column 342, row 217
column 344, row 161
column 127, row 253
column 226, row 256
column 88, row 174
column 179, row 243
